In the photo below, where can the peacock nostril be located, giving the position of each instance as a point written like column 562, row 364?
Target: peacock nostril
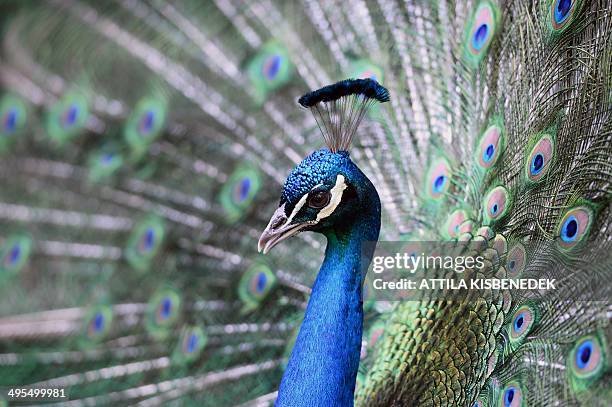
column 277, row 222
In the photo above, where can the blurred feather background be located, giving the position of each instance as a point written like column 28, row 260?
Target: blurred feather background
column 142, row 151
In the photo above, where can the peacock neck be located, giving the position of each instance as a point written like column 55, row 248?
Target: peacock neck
column 323, row 366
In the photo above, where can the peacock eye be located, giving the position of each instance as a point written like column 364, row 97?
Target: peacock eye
column 319, row 199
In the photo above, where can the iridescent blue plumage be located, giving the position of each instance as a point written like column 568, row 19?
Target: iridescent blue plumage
column 323, row 365
column 329, row 194
column 583, row 354
column 480, row 36
column 561, row 10
column 98, row 322
column 10, row 120
column 315, row 169
column 70, row 116
column 165, row 308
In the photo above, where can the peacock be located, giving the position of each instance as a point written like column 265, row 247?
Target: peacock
column 145, row 255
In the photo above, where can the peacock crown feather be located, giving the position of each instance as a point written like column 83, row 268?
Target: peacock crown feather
column 340, row 107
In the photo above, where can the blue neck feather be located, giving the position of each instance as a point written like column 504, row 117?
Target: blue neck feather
column 323, row 366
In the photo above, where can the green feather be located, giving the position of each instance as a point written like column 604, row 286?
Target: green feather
column 104, row 163
column 239, row 192
column 190, row 345
column 163, row 312
column 270, row 69
column 585, row 368
column 255, row 285
column 145, row 124
column 13, row 119
column 15, row 252
column 97, row 324
column 480, row 31
column 67, row 117
column 145, row 242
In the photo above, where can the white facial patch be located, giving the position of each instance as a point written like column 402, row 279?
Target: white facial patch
column 297, row 208
column 336, row 197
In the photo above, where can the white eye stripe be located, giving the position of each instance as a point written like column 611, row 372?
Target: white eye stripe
column 299, row 205
column 297, row 208
column 336, row 197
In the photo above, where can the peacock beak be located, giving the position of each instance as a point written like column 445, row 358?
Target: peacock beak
column 278, row 229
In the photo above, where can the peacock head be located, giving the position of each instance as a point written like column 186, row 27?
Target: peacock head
column 327, row 192
column 324, row 193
